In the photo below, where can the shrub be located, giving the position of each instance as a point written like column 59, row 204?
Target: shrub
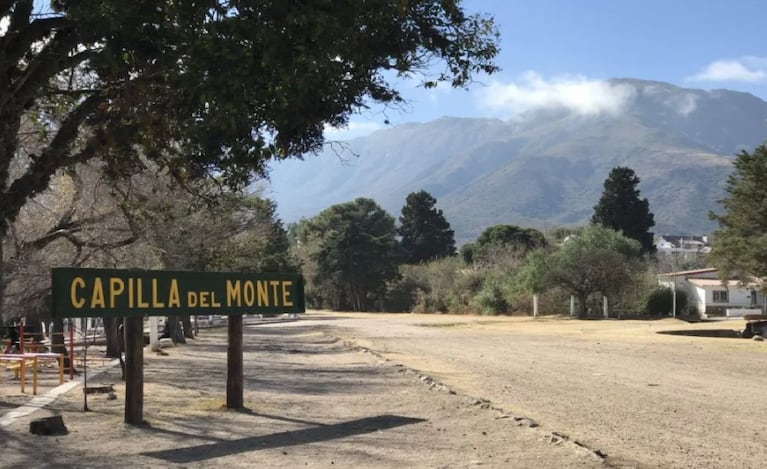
column 660, row 301
column 490, row 299
column 465, row 287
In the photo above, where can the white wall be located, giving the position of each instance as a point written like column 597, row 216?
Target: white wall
column 698, row 298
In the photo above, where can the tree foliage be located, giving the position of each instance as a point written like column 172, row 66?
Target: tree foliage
column 507, row 238
column 739, row 246
column 260, row 80
column 596, row 260
column 352, row 249
column 620, row 208
column 210, row 87
column 426, row 234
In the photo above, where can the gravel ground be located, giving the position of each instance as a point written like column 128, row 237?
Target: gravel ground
column 315, row 397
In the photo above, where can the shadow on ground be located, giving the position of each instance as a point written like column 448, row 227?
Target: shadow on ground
column 282, row 439
column 721, row 333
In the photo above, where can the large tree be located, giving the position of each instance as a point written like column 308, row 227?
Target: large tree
column 353, row 249
column 597, row 260
column 739, row 246
column 621, row 208
column 210, row 86
column 426, row 234
column 206, row 231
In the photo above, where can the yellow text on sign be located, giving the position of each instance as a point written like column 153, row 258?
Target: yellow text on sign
column 103, row 293
column 259, row 293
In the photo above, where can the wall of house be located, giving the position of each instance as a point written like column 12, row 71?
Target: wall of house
column 737, row 298
column 697, row 296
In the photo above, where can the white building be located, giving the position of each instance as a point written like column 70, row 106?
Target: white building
column 673, row 244
column 710, row 297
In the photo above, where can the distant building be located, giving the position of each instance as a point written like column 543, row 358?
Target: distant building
column 670, row 244
column 710, row 297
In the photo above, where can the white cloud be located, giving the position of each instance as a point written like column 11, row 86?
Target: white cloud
column 576, row 93
column 745, row 69
column 686, row 104
column 351, row 131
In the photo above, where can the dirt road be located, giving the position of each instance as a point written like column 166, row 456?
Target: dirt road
column 644, row 399
column 394, row 391
column 312, row 400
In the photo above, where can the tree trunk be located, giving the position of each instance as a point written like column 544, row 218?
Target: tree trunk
column 174, row 330
column 58, row 341
column 113, row 341
column 2, row 268
column 188, row 330
column 582, row 299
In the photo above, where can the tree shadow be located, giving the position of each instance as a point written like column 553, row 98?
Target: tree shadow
column 282, row 439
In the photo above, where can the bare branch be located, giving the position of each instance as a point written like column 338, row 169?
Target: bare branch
column 51, row 60
column 55, row 155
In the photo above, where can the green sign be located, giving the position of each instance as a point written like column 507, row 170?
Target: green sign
column 112, row 292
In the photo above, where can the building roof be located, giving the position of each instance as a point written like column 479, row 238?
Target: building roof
column 684, row 273
column 713, row 282
column 705, row 282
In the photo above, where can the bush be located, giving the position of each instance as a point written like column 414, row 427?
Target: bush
column 660, row 301
column 403, row 294
column 466, row 286
column 490, row 299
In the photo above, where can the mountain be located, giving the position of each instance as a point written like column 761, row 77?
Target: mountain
column 542, row 168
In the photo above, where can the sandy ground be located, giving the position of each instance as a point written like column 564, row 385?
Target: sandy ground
column 314, row 398
column 642, row 398
column 374, row 390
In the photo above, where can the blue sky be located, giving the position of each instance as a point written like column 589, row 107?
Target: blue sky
column 561, row 51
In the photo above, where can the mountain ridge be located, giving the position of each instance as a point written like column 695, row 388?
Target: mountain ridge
column 542, row 167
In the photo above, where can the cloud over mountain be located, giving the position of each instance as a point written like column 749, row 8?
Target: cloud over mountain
column 745, row 69
column 576, row 93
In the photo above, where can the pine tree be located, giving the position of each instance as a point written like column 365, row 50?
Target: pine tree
column 353, row 249
column 739, row 246
column 621, row 209
column 426, row 234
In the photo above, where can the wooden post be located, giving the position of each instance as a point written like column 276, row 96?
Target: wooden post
column 604, row 306
column 234, row 363
column 71, row 350
column 572, row 305
column 134, row 370
column 535, row 305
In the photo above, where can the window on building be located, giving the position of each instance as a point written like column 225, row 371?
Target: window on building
column 720, row 296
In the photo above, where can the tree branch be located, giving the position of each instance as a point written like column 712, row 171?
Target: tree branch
column 55, row 156
column 20, row 44
column 52, row 59
column 5, row 7
column 22, row 11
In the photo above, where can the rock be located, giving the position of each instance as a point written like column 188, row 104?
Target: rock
column 758, row 338
column 48, row 426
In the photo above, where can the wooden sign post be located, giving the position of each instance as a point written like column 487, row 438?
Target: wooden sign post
column 81, row 293
column 134, row 370
column 234, row 374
